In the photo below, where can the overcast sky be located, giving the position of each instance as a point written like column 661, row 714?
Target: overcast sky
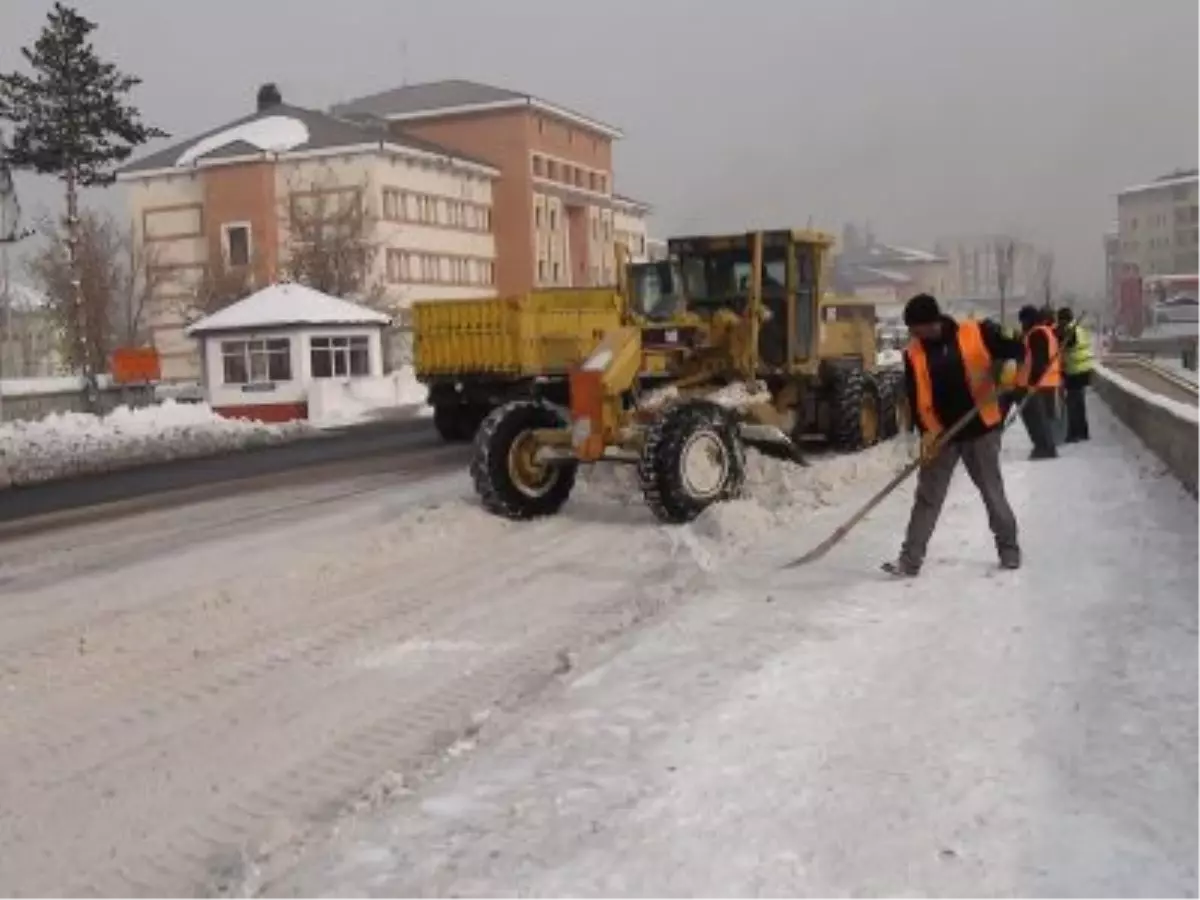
column 925, row 117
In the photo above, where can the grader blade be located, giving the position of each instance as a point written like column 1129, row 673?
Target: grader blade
column 771, row 441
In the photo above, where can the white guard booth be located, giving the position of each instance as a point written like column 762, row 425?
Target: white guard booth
column 289, row 352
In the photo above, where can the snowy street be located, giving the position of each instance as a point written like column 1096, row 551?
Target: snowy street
column 372, row 687
column 830, row 732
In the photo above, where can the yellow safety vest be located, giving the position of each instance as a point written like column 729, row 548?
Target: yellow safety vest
column 1080, row 358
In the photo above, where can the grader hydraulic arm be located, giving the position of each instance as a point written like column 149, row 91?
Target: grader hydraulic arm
column 598, row 388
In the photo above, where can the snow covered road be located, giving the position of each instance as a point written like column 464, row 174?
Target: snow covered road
column 186, row 695
column 830, row 732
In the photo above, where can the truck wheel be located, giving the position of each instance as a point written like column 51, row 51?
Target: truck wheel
column 855, row 416
column 692, row 458
column 508, row 480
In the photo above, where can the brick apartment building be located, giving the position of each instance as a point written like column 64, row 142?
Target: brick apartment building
column 470, row 190
column 557, row 218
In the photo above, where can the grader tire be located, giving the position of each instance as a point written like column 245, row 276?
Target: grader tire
column 856, row 411
column 692, row 458
column 508, row 482
column 888, row 421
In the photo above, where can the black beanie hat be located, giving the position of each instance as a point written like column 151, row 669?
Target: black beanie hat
column 921, row 310
column 1065, row 314
column 1029, row 315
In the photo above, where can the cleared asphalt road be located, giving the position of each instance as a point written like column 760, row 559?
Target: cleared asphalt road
column 382, row 448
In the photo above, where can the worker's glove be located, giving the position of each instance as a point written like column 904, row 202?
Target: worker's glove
column 1008, row 375
column 929, row 447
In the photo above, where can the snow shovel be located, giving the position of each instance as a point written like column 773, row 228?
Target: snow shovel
column 882, row 494
column 842, row 530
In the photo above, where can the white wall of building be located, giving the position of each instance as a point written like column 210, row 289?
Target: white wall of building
column 295, row 390
column 629, row 225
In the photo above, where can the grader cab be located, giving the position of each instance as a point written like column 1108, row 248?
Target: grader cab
column 732, row 323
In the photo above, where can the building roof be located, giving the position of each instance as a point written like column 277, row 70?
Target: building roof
column 1166, row 181
column 638, row 205
column 286, row 305
column 278, row 130
column 456, row 97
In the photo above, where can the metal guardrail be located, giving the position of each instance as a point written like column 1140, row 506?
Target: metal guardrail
column 1118, row 361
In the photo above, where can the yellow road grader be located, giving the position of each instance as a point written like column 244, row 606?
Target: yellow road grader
column 736, row 330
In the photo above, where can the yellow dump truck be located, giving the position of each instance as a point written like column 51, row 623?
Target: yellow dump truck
column 474, row 355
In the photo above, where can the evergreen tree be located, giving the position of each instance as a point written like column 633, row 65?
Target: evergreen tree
column 71, row 120
column 70, row 117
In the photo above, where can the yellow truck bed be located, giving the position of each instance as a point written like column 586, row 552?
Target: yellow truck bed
column 539, row 333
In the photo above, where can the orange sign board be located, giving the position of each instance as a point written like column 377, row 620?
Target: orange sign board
column 135, row 365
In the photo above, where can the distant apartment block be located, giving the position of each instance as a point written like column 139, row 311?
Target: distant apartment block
column 978, row 266
column 1157, row 226
column 556, row 217
column 227, row 197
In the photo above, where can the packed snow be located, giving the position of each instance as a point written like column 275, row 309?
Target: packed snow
column 829, row 731
column 68, row 444
column 341, row 402
column 46, row 385
column 274, row 134
column 1183, row 411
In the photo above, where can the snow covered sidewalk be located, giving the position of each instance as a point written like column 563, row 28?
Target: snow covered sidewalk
column 67, row 444
column 829, row 731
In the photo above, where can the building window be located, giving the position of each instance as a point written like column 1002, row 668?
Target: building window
column 539, row 165
column 557, row 272
column 339, row 357
column 256, row 362
column 237, row 243
column 541, row 271
column 554, row 218
column 537, row 215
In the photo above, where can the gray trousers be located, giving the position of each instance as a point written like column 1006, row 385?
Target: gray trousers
column 981, row 458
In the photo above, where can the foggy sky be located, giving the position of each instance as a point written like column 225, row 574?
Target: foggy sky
column 925, row 117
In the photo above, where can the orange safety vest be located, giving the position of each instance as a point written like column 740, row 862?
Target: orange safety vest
column 977, row 362
column 1052, row 377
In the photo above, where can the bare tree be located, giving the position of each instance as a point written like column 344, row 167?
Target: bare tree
column 331, row 239
column 1004, row 250
column 1046, row 278
column 220, row 285
column 118, row 276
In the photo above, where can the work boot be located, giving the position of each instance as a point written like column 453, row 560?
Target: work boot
column 901, row 569
column 1010, row 558
column 1044, row 454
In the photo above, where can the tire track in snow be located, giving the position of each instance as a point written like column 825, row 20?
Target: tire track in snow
column 208, row 762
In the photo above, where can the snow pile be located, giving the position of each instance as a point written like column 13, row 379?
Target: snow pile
column 1181, row 410
column 889, row 357
column 68, row 444
column 339, row 402
column 731, row 396
column 781, row 494
column 276, row 134
column 777, row 494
